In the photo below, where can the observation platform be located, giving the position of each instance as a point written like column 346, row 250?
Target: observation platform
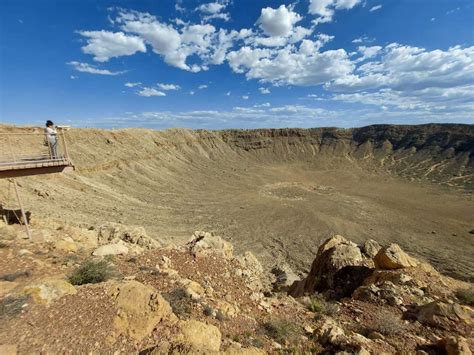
column 26, row 154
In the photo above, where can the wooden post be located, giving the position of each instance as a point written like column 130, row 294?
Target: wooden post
column 25, row 220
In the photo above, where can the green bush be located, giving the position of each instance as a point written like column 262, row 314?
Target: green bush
column 317, row 304
column 91, row 272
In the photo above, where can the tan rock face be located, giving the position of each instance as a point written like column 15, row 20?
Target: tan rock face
column 334, row 255
column 66, row 245
column 205, row 243
column 438, row 313
column 453, row 345
column 393, row 257
column 49, row 289
column 139, row 309
column 201, row 336
column 111, row 249
column 114, row 232
column 192, row 289
column 8, row 349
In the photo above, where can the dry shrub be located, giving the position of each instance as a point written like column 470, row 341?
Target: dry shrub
column 388, row 324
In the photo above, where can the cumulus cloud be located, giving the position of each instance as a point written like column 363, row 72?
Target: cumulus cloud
column 149, row 92
column 325, row 9
column 88, row 68
column 264, row 90
column 104, row 45
column 303, row 66
column 245, row 97
column 375, row 8
column 202, row 87
column 278, row 22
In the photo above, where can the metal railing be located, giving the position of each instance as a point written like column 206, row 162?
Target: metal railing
column 31, row 148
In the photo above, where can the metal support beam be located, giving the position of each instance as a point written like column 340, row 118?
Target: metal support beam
column 25, row 220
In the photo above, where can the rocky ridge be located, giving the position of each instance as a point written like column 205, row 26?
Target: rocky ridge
column 199, row 297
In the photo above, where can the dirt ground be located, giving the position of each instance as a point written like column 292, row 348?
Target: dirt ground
column 279, row 199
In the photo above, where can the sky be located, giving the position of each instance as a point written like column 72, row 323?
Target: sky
column 236, row 63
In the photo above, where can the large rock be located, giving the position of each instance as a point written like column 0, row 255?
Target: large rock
column 205, row 243
column 201, row 336
column 114, row 232
column 338, row 266
column 371, row 248
column 67, row 245
column 111, row 249
column 49, row 289
column 251, row 270
column 139, row 309
column 393, row 257
column 453, row 345
column 440, row 314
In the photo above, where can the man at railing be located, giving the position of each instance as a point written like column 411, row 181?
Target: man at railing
column 51, row 139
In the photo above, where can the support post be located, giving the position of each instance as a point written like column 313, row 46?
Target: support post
column 25, row 220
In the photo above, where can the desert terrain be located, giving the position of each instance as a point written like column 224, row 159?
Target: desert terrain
column 279, row 193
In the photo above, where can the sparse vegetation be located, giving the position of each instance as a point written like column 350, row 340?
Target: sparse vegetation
column 282, row 331
column 179, row 302
column 388, row 324
column 11, row 306
column 466, row 296
column 91, row 272
column 15, row 275
column 317, row 304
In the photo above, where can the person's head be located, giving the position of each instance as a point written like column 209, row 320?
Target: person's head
column 49, row 123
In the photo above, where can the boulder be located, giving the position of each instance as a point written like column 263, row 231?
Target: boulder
column 49, row 289
column 439, row 314
column 111, row 249
column 66, row 245
column 139, row 309
column 331, row 334
column 393, row 257
column 201, row 336
column 7, row 232
column 114, row 232
column 371, row 248
column 338, row 266
column 192, row 289
column 227, row 309
column 453, row 345
column 205, row 243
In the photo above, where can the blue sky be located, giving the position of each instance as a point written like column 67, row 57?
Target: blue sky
column 236, row 63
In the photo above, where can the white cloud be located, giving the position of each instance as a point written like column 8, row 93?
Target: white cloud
column 368, row 52
column 149, row 92
column 132, row 85
column 303, row 66
column 227, row 93
column 375, row 8
column 264, row 90
column 363, row 39
column 202, row 87
column 325, row 9
column 104, row 45
column 191, row 92
column 214, row 10
column 433, row 19
column 167, row 87
column 245, row 97
column 73, row 77
column 266, row 104
column 278, row 22
column 87, row 68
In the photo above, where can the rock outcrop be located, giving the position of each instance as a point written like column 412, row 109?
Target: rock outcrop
column 393, row 257
column 139, row 309
column 338, row 266
column 49, row 289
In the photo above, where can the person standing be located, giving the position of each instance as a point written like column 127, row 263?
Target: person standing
column 51, row 139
